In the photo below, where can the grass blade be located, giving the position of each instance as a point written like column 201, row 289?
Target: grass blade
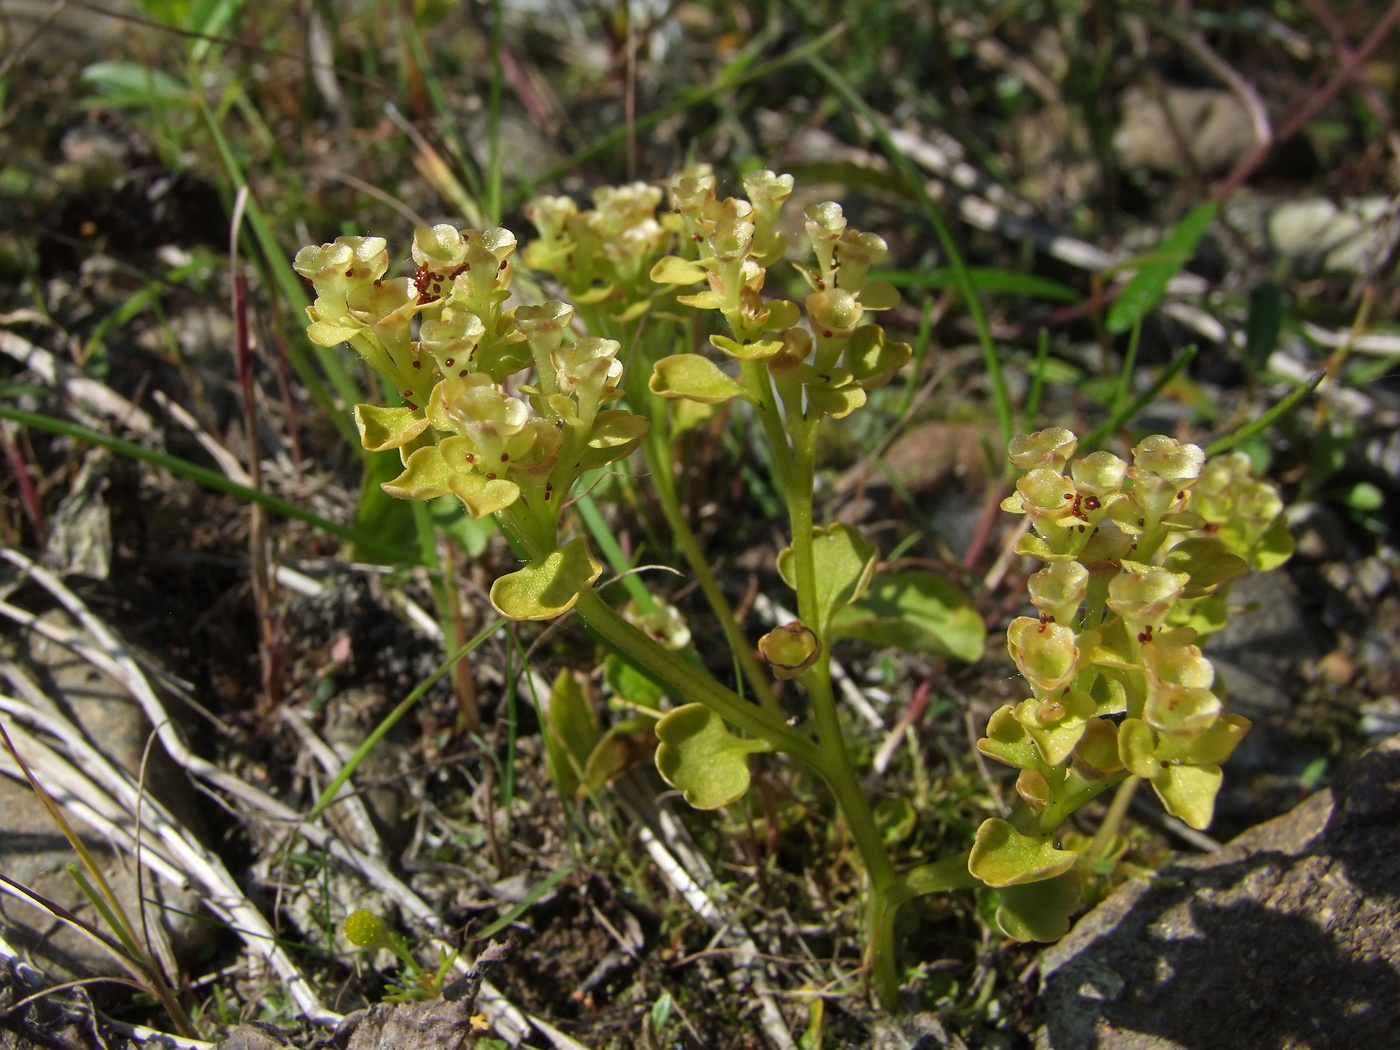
column 1254, row 426
column 392, row 718
column 204, row 476
column 1145, row 288
column 1096, row 437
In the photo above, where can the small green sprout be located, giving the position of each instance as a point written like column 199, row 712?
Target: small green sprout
column 366, row 930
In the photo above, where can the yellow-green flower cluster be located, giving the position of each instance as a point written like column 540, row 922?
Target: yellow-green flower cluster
column 601, row 255
column 461, row 431
column 728, row 244
column 1118, row 684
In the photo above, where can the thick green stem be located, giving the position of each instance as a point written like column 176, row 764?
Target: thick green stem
column 1053, row 815
column 828, row 760
column 1113, row 819
column 760, row 387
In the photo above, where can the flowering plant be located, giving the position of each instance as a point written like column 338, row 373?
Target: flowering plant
column 507, row 407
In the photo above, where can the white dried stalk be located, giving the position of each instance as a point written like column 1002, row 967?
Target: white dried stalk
column 221, row 893
column 509, row 1021
column 690, row 876
column 350, row 806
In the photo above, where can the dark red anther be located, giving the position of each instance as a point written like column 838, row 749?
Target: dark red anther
column 421, row 278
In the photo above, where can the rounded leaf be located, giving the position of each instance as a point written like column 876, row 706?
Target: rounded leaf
column 1188, row 792
column 701, row 758
column 1040, row 911
column 426, row 475
column 752, row 350
column 843, row 561
column 1007, row 740
column 616, row 435
column 547, row 587
column 1044, row 449
column 482, row 495
column 1206, row 563
column 383, row 428
column 692, row 377
column 918, row 612
column 1002, row 856
column 674, row 270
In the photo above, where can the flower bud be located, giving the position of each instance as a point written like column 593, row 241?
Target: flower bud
column 1163, row 469
column 1049, row 448
column 790, row 649
column 364, row 929
column 855, row 254
column 1099, row 474
column 1058, row 590
column 1044, row 652
column 731, row 236
column 452, row 339
column 1180, row 710
column 544, row 325
column 1144, row 594
column 440, row 248
column 835, row 313
column 1056, row 723
column 551, row 215
column 1177, row 664
column 1096, row 754
column 690, row 194
column 1047, row 496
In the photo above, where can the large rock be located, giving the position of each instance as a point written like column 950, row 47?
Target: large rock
column 1287, row 938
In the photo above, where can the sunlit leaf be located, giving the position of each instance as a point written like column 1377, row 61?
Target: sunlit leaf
column 700, row 757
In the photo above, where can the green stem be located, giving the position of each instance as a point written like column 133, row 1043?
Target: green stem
column 837, row 769
column 658, row 458
column 760, row 386
column 1113, row 819
column 690, row 682
column 1053, row 815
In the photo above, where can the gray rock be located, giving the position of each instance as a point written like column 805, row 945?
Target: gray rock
column 1180, row 129
column 1287, row 938
column 1256, row 655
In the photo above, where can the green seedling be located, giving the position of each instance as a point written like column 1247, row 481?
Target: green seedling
column 366, row 930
